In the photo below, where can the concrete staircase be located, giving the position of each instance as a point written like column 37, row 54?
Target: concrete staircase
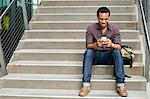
column 47, row 63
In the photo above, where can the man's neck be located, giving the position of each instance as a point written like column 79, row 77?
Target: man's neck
column 104, row 30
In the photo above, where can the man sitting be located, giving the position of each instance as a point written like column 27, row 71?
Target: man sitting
column 103, row 47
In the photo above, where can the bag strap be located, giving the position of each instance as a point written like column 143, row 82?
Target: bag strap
column 127, row 76
column 123, row 46
column 131, row 61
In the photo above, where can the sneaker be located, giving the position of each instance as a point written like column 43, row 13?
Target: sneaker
column 121, row 90
column 84, row 91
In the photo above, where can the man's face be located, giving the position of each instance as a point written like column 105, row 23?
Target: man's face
column 103, row 19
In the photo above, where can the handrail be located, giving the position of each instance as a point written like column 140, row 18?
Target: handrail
column 32, row 4
column 145, row 25
column 25, row 15
column 38, row 2
column 6, row 9
column 147, row 40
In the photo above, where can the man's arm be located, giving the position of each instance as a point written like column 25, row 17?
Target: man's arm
column 90, row 41
column 117, row 39
column 112, row 45
column 99, row 43
column 108, row 43
column 117, row 46
column 93, row 46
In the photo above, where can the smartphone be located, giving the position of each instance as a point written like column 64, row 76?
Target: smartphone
column 104, row 38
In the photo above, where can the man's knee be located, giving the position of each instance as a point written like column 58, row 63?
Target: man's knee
column 89, row 52
column 116, row 53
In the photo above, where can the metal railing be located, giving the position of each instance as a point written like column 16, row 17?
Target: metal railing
column 13, row 21
column 147, row 38
column 3, row 5
column 145, row 8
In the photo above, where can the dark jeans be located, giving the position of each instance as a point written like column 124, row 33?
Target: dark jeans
column 92, row 57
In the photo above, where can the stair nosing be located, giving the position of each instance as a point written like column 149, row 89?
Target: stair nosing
column 94, row 94
column 66, row 77
column 70, row 51
column 69, row 40
column 81, row 22
column 80, row 0
column 74, row 30
column 61, row 63
column 132, row 6
column 48, row 14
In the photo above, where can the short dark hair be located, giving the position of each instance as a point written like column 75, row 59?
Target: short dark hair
column 103, row 10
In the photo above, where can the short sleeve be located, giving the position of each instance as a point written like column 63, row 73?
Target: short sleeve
column 117, row 38
column 89, row 36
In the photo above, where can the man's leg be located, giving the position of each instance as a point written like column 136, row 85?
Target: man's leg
column 118, row 63
column 87, row 65
column 87, row 68
column 119, row 72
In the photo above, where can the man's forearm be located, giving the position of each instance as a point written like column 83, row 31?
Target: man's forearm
column 93, row 46
column 117, row 46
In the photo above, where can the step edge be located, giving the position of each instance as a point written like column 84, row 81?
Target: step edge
column 66, row 91
column 81, row 14
column 73, row 30
column 66, row 77
column 58, row 51
column 129, row 6
column 70, row 40
column 61, row 64
column 36, row 22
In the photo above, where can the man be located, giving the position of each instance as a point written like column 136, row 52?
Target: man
column 103, row 47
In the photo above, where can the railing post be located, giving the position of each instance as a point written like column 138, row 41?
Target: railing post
column 147, row 64
column 37, row 2
column 145, row 5
column 148, row 22
column 25, row 15
column 2, row 62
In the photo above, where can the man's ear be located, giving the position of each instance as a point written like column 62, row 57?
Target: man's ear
column 108, row 17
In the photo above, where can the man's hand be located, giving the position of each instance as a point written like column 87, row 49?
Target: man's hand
column 104, row 42
column 100, row 42
column 108, row 42
column 112, row 45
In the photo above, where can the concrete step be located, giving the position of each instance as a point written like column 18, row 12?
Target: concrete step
column 82, row 16
column 18, row 93
column 69, row 82
column 86, row 2
column 67, row 43
column 68, row 67
column 71, row 34
column 84, row 9
column 76, row 25
column 57, row 55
